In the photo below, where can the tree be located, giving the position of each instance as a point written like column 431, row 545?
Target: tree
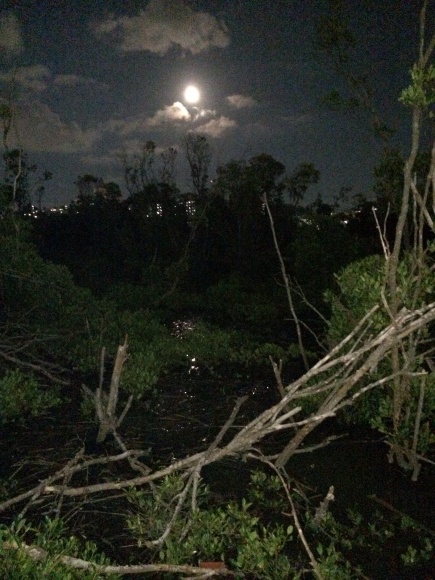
column 111, row 192
column 314, row 256
column 388, row 186
column 263, row 173
column 198, row 155
column 300, row 180
column 139, row 167
column 403, row 281
column 21, row 181
column 88, row 186
column 420, row 97
column 150, row 178
column 336, row 41
column 243, row 184
column 361, row 285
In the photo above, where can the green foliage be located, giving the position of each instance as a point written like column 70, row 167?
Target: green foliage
column 42, row 300
column 71, row 325
column 361, row 285
column 142, row 373
column 225, row 352
column 260, row 546
column 50, row 538
column 252, row 538
column 234, row 533
column 155, row 351
column 365, row 540
column 266, row 493
column 381, row 418
column 233, row 302
column 22, row 396
column 421, row 92
column 412, row 556
column 151, row 509
column 332, row 564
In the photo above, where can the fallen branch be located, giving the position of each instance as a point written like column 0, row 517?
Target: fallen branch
column 39, row 555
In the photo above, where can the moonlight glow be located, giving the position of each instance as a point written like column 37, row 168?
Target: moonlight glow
column 191, row 94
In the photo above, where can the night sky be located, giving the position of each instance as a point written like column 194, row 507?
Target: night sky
column 96, row 77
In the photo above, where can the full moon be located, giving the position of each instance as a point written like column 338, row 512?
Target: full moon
column 191, row 94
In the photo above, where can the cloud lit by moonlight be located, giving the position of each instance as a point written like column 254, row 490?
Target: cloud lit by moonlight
column 191, row 95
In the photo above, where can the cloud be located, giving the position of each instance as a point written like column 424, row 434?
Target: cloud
column 216, row 127
column 103, row 160
column 202, row 113
column 38, row 78
column 34, row 78
column 38, row 128
column 76, row 80
column 241, row 101
column 11, row 40
column 165, row 24
column 170, row 114
column 124, row 127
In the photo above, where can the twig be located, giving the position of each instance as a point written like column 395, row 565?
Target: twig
column 286, row 283
column 213, row 446
column 286, row 487
column 41, row 488
column 418, row 415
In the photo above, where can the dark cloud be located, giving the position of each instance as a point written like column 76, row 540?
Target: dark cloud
column 11, row 41
column 165, row 24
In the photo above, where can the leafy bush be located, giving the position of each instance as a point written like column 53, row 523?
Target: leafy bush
column 361, row 285
column 235, row 303
column 41, row 302
column 221, row 351
column 22, row 396
column 49, row 542
column 234, row 533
